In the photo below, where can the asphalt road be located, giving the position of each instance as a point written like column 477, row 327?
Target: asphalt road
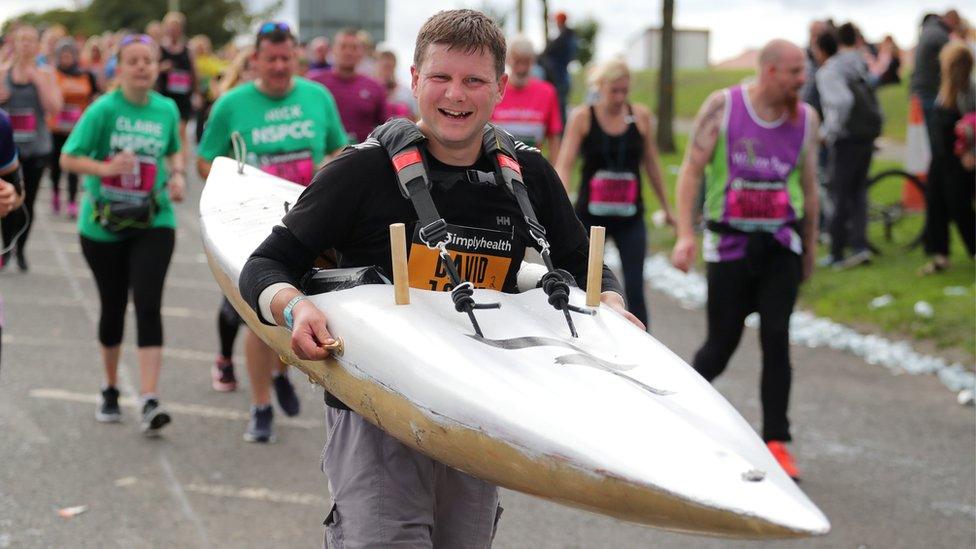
column 890, row 459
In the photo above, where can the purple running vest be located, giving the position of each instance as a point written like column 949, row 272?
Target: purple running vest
column 753, row 182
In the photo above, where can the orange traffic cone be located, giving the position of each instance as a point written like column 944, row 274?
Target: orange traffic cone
column 918, row 155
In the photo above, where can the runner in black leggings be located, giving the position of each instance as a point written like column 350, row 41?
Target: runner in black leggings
column 127, row 142
column 29, row 94
column 615, row 140
column 11, row 189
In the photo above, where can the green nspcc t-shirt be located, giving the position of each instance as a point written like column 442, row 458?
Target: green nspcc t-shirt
column 111, row 125
column 285, row 136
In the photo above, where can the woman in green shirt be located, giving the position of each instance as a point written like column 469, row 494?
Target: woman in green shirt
column 127, row 143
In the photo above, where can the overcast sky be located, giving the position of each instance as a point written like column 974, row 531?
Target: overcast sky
column 735, row 25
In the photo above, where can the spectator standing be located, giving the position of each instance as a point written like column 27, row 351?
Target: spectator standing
column 925, row 79
column 949, row 192
column 361, row 100
column 852, row 121
column 808, row 93
column 555, row 60
column 887, row 64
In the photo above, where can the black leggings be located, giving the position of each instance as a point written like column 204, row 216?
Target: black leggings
column 59, row 141
column 228, row 322
column 767, row 282
column 16, row 220
column 139, row 262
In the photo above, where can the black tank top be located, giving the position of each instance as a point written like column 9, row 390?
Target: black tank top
column 611, row 171
column 177, row 82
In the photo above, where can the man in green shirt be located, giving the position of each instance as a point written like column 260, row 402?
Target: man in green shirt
column 289, row 126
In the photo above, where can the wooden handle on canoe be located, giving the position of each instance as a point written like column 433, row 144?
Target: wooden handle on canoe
column 594, row 271
column 398, row 249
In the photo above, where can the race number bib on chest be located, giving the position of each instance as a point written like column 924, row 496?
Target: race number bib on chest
column 296, row 167
column 68, row 117
column 758, row 202
column 24, row 123
column 482, row 257
column 131, row 186
column 178, row 81
column 613, row 193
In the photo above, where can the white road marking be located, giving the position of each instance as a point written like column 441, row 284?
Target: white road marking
column 15, row 340
column 17, row 420
column 60, row 302
column 197, row 410
column 171, row 281
column 177, row 491
column 256, row 494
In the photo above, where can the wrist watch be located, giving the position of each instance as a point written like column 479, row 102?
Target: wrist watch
column 287, row 313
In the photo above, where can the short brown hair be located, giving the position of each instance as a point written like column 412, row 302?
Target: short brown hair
column 467, row 30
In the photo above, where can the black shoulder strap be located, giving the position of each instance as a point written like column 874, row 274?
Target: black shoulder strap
column 500, row 146
column 401, row 139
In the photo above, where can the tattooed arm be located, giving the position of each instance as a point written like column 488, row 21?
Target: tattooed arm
column 701, row 146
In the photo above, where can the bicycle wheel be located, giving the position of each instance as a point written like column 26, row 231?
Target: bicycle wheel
column 888, row 219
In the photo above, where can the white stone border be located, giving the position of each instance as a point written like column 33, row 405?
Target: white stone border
column 690, row 290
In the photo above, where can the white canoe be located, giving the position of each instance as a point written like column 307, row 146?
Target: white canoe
column 612, row 422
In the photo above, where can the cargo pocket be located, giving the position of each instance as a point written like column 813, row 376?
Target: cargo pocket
column 498, row 516
column 328, row 440
column 333, row 529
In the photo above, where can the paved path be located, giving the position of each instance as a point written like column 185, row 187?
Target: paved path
column 889, row 459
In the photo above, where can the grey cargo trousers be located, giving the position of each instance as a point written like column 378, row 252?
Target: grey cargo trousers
column 385, row 494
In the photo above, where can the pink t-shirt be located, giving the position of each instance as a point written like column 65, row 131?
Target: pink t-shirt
column 360, row 99
column 530, row 113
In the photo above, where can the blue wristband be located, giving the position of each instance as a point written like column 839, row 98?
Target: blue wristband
column 289, row 320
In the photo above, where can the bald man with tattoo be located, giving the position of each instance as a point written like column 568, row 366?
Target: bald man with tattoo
column 755, row 148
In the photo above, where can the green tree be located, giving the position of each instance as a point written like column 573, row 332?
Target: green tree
column 220, row 20
column 586, row 31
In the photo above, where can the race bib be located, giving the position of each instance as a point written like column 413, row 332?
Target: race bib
column 24, row 123
column 68, row 117
column 133, row 186
column 296, row 167
column 178, row 81
column 613, row 194
column 757, row 203
column 482, row 257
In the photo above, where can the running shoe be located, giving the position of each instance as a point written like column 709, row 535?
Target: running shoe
column 285, row 393
column 784, row 458
column 222, row 375
column 108, row 408
column 827, row 261
column 261, row 426
column 72, row 210
column 860, row 257
column 154, row 417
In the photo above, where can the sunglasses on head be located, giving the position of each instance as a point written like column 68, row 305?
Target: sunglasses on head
column 273, row 26
column 136, row 38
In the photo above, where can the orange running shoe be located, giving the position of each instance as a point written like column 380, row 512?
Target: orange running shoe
column 784, row 458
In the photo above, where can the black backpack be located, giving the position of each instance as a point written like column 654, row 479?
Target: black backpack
column 865, row 119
